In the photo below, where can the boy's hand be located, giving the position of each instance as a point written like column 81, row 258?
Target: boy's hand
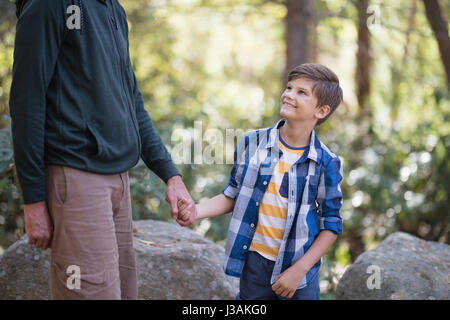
column 187, row 212
column 287, row 282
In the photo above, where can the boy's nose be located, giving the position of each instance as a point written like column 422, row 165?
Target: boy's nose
column 288, row 95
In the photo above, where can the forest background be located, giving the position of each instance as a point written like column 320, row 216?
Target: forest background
column 210, row 67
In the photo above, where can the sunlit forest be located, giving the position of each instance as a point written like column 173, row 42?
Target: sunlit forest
column 218, row 65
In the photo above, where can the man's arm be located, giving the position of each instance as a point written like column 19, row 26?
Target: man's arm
column 157, row 158
column 154, row 153
column 39, row 34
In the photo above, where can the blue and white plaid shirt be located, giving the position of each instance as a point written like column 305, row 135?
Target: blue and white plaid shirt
column 314, row 199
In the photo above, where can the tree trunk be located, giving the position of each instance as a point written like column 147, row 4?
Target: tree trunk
column 412, row 14
column 313, row 53
column 365, row 134
column 363, row 59
column 298, row 21
column 440, row 29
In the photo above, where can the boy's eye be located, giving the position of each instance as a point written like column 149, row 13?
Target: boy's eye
column 288, row 88
column 302, row 92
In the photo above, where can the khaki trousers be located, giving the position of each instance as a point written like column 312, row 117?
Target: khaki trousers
column 92, row 255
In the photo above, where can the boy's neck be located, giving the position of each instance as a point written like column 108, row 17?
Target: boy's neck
column 296, row 135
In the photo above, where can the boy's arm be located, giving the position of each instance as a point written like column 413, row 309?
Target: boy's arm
column 287, row 282
column 222, row 203
column 329, row 199
column 214, row 207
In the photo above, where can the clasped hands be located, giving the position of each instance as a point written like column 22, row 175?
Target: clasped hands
column 182, row 207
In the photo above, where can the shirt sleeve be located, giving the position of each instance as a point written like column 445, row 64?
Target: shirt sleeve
column 329, row 197
column 39, row 35
column 239, row 163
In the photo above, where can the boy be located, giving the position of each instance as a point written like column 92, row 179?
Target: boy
column 284, row 191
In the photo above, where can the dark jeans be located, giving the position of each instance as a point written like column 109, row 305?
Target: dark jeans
column 255, row 282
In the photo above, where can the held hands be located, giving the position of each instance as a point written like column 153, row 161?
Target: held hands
column 187, row 211
column 176, row 190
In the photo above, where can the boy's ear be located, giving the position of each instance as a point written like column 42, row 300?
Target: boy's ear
column 323, row 111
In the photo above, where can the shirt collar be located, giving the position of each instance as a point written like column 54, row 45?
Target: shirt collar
column 314, row 150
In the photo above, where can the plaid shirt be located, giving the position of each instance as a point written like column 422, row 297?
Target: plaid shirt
column 314, row 199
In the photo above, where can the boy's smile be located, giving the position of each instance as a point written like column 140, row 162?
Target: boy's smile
column 298, row 101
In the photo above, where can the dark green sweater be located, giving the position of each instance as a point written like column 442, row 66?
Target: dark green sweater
column 74, row 97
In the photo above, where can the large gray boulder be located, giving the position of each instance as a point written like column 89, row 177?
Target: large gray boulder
column 173, row 263
column 409, row 268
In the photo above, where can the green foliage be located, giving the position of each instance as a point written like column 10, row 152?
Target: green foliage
column 222, row 63
column 11, row 223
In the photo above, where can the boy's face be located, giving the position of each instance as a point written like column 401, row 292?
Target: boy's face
column 298, row 103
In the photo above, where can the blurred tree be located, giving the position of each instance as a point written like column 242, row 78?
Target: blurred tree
column 440, row 28
column 365, row 133
column 11, row 221
column 217, row 65
column 298, row 32
column 7, row 23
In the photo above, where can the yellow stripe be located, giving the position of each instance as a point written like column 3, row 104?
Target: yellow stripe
column 273, row 252
column 270, row 232
column 273, row 211
column 273, row 188
column 282, row 167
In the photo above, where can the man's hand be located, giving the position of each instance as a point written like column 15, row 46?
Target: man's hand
column 286, row 283
column 185, row 209
column 176, row 190
column 38, row 225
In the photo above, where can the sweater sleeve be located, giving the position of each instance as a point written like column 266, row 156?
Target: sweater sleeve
column 39, row 34
column 153, row 151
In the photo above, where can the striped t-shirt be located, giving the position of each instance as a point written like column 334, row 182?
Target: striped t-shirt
column 274, row 205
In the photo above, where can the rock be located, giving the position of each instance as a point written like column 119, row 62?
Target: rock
column 177, row 263
column 410, row 268
column 173, row 263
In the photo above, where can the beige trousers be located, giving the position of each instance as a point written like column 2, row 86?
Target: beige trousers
column 92, row 255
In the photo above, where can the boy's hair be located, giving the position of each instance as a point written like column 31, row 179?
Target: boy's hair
column 326, row 85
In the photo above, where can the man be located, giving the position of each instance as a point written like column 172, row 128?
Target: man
column 79, row 125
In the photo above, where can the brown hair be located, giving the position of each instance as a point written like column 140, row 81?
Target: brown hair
column 326, row 85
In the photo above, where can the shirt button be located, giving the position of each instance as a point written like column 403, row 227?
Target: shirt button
column 257, row 203
column 245, row 247
column 252, row 225
column 265, row 182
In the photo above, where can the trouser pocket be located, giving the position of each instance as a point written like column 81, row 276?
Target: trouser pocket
column 70, row 281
